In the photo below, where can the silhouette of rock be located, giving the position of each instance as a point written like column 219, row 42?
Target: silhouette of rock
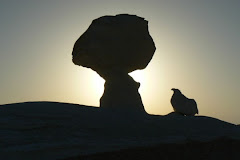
column 121, row 92
column 114, row 43
column 183, row 105
column 114, row 46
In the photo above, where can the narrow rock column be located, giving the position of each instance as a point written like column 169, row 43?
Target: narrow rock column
column 121, row 92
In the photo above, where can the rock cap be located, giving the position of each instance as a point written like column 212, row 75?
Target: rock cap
column 120, row 43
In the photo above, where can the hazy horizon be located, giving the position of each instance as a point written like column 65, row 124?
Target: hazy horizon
column 197, row 51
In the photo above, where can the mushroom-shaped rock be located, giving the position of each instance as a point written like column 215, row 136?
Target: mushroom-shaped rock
column 114, row 46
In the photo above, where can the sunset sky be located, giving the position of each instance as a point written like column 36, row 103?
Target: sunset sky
column 198, row 51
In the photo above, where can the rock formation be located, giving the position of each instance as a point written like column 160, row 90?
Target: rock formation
column 183, row 105
column 121, row 92
column 114, row 46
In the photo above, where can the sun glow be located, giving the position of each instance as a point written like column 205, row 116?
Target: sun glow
column 138, row 75
column 97, row 84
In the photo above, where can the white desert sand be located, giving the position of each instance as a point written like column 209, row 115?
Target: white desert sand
column 51, row 130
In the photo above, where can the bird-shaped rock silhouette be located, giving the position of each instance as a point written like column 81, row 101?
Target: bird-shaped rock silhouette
column 183, row 105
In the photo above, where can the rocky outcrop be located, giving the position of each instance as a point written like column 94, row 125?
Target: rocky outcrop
column 114, row 46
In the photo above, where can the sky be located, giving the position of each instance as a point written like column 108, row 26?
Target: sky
column 197, row 51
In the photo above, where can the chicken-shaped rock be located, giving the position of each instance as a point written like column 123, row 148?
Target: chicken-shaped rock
column 183, row 105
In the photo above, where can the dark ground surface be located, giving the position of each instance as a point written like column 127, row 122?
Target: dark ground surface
column 52, row 130
column 219, row 149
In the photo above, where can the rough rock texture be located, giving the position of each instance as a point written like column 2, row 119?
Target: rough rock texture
column 114, row 46
column 115, row 43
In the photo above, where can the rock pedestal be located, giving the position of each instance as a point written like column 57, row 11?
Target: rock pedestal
column 121, row 92
column 114, row 46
